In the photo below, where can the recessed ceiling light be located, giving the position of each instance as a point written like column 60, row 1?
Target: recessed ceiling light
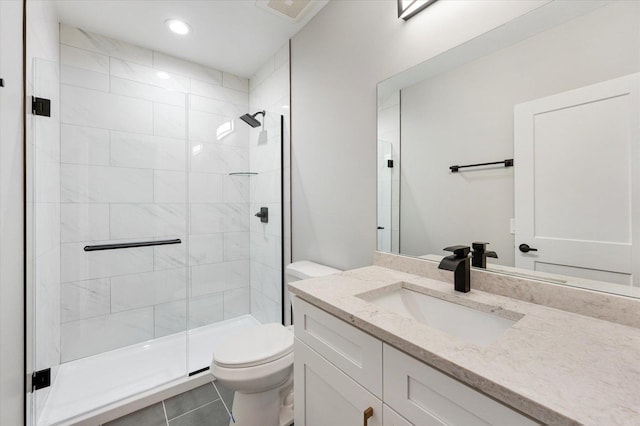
column 163, row 75
column 178, row 26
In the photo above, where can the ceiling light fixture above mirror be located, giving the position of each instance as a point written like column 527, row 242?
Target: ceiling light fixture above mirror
column 410, row 8
column 178, row 26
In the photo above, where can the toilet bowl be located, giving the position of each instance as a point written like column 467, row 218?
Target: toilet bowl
column 258, row 365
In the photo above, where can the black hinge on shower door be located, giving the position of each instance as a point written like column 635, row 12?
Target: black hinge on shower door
column 41, row 379
column 1, row 82
column 41, row 106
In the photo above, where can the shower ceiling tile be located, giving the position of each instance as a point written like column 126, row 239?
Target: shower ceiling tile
column 76, row 37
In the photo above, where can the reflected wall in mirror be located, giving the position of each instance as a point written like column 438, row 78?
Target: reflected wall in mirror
column 557, row 90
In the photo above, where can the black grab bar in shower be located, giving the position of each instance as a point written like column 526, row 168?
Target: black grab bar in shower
column 131, row 245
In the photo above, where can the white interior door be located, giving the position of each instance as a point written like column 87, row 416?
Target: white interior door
column 576, row 162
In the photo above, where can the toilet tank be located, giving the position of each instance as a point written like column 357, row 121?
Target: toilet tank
column 302, row 270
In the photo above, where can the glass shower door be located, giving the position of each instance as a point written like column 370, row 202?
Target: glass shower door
column 239, row 284
column 110, row 235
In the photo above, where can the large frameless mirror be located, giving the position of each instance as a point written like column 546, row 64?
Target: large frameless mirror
column 525, row 138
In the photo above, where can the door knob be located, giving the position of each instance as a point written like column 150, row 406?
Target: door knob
column 525, row 248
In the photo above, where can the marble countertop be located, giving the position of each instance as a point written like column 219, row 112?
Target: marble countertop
column 558, row 367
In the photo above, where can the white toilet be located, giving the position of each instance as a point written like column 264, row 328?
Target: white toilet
column 258, row 365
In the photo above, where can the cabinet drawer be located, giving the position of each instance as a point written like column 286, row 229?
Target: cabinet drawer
column 326, row 396
column 425, row 396
column 353, row 351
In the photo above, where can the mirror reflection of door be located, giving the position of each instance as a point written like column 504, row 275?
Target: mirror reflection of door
column 577, row 157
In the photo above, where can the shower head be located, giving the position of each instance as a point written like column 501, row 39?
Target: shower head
column 251, row 119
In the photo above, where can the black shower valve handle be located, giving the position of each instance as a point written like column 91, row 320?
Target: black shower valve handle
column 263, row 214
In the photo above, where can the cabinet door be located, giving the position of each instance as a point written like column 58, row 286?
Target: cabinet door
column 353, row 351
column 326, row 396
column 391, row 418
column 427, row 397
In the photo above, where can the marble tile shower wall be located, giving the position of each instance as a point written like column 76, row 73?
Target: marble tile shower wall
column 269, row 91
column 146, row 155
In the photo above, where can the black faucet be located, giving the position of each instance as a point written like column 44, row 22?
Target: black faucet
column 459, row 263
column 480, row 254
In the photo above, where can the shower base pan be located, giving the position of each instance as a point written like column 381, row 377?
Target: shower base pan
column 102, row 387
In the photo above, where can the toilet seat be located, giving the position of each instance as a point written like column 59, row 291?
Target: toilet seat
column 260, row 345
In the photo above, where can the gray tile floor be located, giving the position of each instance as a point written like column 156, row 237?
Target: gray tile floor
column 202, row 406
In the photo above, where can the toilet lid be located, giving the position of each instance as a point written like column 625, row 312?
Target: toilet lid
column 259, row 345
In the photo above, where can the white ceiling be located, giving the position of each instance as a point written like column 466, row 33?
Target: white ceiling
column 235, row 36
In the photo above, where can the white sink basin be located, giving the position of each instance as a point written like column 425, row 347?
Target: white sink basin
column 467, row 324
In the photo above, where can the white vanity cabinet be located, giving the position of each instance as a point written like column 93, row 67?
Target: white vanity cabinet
column 341, row 373
column 337, row 371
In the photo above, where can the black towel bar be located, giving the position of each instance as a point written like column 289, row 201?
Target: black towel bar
column 507, row 163
column 131, row 245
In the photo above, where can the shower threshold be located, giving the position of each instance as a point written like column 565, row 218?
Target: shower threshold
column 88, row 385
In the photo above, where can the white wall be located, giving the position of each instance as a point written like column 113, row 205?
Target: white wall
column 337, row 60
column 12, row 373
column 465, row 116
